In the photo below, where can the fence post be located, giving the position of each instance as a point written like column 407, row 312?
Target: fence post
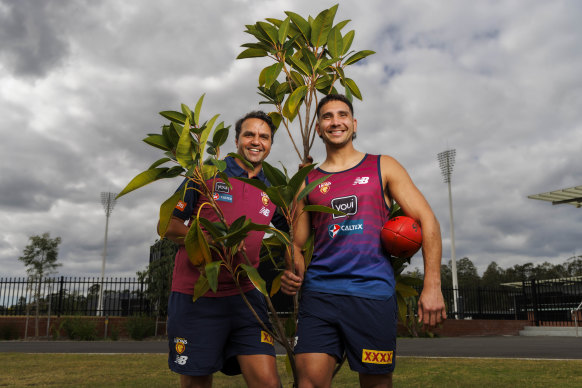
column 534, row 295
column 60, row 304
column 479, row 301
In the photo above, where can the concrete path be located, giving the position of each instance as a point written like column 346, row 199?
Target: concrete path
column 496, row 347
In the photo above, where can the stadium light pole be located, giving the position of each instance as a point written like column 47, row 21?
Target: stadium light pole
column 108, row 202
column 446, row 162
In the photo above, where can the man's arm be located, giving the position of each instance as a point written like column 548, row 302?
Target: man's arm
column 177, row 230
column 431, row 306
column 291, row 281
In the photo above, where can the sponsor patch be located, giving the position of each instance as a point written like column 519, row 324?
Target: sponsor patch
column 222, row 197
column 265, row 198
column 266, row 337
column 181, row 205
column 324, row 187
column 346, row 227
column 381, row 357
column 221, row 187
column 348, row 205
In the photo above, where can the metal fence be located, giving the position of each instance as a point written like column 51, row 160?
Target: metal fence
column 73, row 296
column 538, row 301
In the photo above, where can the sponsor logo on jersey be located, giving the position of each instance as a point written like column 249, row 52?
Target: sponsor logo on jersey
column 324, row 187
column 265, row 198
column 181, row 205
column 264, row 211
column 361, row 180
column 180, row 344
column 221, row 187
column 266, row 337
column 222, row 197
column 345, row 228
column 348, row 205
column 381, row 357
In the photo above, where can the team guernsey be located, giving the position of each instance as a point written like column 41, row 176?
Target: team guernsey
column 241, row 199
column 348, row 258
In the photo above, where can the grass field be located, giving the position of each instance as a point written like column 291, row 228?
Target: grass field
column 150, row 370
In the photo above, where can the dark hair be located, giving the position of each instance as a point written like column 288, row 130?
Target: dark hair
column 335, row 97
column 256, row 114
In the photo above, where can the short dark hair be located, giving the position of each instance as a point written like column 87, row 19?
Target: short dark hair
column 335, row 97
column 256, row 114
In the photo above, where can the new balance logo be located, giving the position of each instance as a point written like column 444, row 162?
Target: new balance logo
column 361, row 180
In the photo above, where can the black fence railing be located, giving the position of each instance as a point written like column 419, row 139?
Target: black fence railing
column 535, row 300
column 73, row 296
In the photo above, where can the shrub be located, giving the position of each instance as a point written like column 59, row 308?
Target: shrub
column 8, row 331
column 80, row 329
column 140, row 327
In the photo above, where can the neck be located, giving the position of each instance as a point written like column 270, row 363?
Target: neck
column 340, row 159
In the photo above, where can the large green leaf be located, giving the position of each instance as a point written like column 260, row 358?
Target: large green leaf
column 350, row 84
column 220, row 135
column 358, row 56
column 241, row 158
column 297, row 180
column 347, row 41
column 256, row 279
column 143, row 179
column 212, row 271
column 269, row 31
column 335, row 44
column 176, row 117
column 272, row 72
column 158, row 141
column 295, row 98
column 216, row 229
column 322, row 209
column 206, row 132
column 283, row 30
column 252, row 53
column 297, row 79
column 298, row 64
column 274, row 175
column 196, row 245
column 254, row 182
column 404, row 290
column 166, row 210
column 300, row 23
column 159, row 162
column 184, row 149
column 276, row 196
column 276, row 284
column 307, row 189
column 308, row 249
column 402, row 307
column 187, row 112
column 197, row 109
column 200, row 288
column 321, row 26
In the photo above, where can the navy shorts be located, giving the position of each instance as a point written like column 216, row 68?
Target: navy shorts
column 207, row 335
column 365, row 329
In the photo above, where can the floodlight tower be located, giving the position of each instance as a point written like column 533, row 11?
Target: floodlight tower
column 108, row 202
column 446, row 162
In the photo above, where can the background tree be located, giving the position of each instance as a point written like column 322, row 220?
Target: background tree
column 158, row 275
column 493, row 275
column 40, row 259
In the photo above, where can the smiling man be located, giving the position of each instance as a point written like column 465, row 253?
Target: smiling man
column 348, row 301
column 218, row 331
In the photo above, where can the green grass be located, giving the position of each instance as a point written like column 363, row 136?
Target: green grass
column 151, row 370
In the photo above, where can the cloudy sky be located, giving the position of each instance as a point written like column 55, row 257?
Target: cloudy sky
column 82, row 82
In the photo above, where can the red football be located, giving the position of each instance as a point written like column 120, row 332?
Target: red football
column 401, row 237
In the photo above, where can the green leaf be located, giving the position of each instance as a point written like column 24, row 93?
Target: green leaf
column 276, row 284
column 297, row 180
column 347, row 41
column 295, row 99
column 274, row 175
column 253, row 182
column 176, row 117
column 172, row 172
column 307, row 189
column 220, row 164
column 350, row 84
column 220, row 136
column 335, row 42
column 275, row 196
column 215, row 229
column 321, row 25
column 252, row 53
column 358, row 56
column 269, row 31
column 404, row 290
column 143, row 179
column 208, row 171
column 187, row 112
column 201, row 287
column 166, row 210
column 196, row 245
column 272, row 72
column 159, row 162
column 300, row 23
column 297, row 79
column 206, row 132
column 158, row 141
column 402, row 307
column 283, row 30
column 212, row 270
column 197, row 109
column 276, row 118
column 323, row 209
column 184, row 148
column 297, row 63
column 256, row 279
column 241, row 158
column 308, row 249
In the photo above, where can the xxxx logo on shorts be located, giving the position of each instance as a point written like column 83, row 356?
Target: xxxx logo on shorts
column 264, row 198
column 180, row 344
column 381, row 357
column 324, row 187
column 266, row 337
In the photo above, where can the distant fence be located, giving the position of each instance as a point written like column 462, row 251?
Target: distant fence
column 73, row 296
column 535, row 300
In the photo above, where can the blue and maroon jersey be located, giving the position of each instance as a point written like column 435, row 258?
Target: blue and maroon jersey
column 348, row 258
column 239, row 200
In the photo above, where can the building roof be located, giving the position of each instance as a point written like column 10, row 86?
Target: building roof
column 559, row 281
column 571, row 196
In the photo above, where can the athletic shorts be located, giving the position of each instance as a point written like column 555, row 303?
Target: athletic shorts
column 365, row 329
column 207, row 335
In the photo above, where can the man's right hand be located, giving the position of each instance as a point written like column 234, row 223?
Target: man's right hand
column 290, row 283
